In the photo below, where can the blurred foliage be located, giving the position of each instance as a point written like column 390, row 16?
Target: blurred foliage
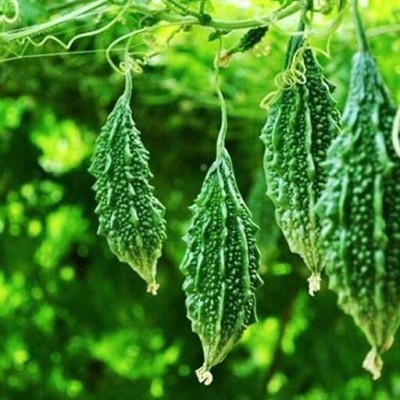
column 76, row 323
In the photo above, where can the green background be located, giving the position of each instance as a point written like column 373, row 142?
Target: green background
column 74, row 322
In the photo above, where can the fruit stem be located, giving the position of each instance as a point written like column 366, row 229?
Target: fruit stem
column 224, row 118
column 362, row 38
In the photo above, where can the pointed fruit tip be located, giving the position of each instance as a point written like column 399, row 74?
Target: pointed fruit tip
column 204, row 376
column 373, row 364
column 152, row 288
column 314, row 283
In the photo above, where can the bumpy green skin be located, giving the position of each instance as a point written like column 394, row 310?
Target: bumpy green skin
column 220, row 265
column 360, row 211
column 130, row 217
column 300, row 127
column 250, row 39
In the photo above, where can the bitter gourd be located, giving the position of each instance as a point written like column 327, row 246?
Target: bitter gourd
column 130, row 217
column 220, row 264
column 301, row 124
column 250, row 39
column 360, row 211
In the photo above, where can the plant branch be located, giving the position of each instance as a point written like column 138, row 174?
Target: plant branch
column 40, row 28
column 160, row 15
column 273, row 16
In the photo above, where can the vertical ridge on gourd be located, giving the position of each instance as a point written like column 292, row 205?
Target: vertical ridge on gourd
column 130, row 217
column 360, row 211
column 221, row 262
column 302, row 121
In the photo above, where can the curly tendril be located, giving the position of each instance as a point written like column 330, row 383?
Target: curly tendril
column 138, row 62
column 68, row 45
column 10, row 20
column 288, row 78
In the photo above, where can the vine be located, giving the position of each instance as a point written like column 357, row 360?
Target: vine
column 150, row 18
column 171, row 13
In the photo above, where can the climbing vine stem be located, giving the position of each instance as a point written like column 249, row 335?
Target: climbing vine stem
column 158, row 14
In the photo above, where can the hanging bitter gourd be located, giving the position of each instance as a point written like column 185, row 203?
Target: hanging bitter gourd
column 130, row 217
column 301, row 124
column 360, row 209
column 220, row 264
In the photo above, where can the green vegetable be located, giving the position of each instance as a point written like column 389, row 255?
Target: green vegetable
column 220, row 264
column 301, row 124
column 360, row 209
column 130, row 217
column 250, row 39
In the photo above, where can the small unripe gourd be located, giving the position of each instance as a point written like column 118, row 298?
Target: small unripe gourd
column 250, row 39
column 130, row 217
